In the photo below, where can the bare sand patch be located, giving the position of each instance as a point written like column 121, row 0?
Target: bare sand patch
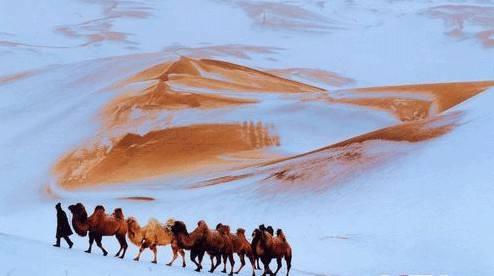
column 456, row 17
column 414, row 102
column 160, row 97
column 159, row 152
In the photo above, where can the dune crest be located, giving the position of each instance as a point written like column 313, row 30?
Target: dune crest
column 413, row 102
column 216, row 74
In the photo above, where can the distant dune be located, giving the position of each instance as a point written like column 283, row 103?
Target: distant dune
column 204, row 85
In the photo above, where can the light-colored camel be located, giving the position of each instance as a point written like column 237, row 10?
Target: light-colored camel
column 100, row 224
column 152, row 235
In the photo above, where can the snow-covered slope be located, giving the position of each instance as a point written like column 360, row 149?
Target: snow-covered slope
column 363, row 129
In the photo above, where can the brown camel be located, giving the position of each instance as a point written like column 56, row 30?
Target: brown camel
column 254, row 242
column 218, row 244
column 269, row 247
column 100, row 224
column 152, row 235
column 241, row 247
column 193, row 241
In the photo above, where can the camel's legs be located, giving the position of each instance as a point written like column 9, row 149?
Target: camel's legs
column 201, row 255
column 175, row 255
column 232, row 263
column 212, row 263
column 224, row 263
column 241, row 256
column 288, row 260
column 257, row 259
column 218, row 262
column 98, row 239
column 91, row 240
column 278, row 261
column 120, row 243
column 182, row 253
column 253, row 263
column 193, row 255
column 141, row 249
column 154, row 248
column 265, row 261
column 123, row 246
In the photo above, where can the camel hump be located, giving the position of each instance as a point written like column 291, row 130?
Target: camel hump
column 154, row 224
column 280, row 234
column 118, row 213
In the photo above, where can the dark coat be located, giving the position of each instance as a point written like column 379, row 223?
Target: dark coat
column 63, row 227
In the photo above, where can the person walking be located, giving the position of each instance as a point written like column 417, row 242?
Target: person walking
column 63, row 227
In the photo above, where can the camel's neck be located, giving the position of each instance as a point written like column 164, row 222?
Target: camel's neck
column 80, row 225
column 135, row 234
column 185, row 240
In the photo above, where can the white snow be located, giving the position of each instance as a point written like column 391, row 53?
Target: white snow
column 427, row 212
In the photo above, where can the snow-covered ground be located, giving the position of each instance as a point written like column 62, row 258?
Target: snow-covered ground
column 379, row 206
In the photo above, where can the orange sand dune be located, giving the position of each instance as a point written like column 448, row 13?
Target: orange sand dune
column 330, row 165
column 161, row 97
column 412, row 102
column 215, row 74
column 160, row 152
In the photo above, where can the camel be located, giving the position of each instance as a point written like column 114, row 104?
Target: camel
column 217, row 244
column 269, row 247
column 254, row 241
column 152, row 235
column 98, row 225
column 191, row 241
column 241, row 247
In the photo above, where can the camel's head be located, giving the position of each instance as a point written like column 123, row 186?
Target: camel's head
column 223, row 229
column 256, row 234
column 179, row 227
column 78, row 210
column 118, row 213
column 169, row 223
column 262, row 227
column 132, row 224
column 219, row 226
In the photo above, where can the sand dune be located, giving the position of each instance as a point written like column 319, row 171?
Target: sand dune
column 161, row 97
column 412, row 102
column 334, row 164
column 421, row 108
column 215, row 74
column 158, row 152
column 201, row 84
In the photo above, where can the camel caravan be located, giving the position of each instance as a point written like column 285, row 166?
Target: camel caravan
column 219, row 243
